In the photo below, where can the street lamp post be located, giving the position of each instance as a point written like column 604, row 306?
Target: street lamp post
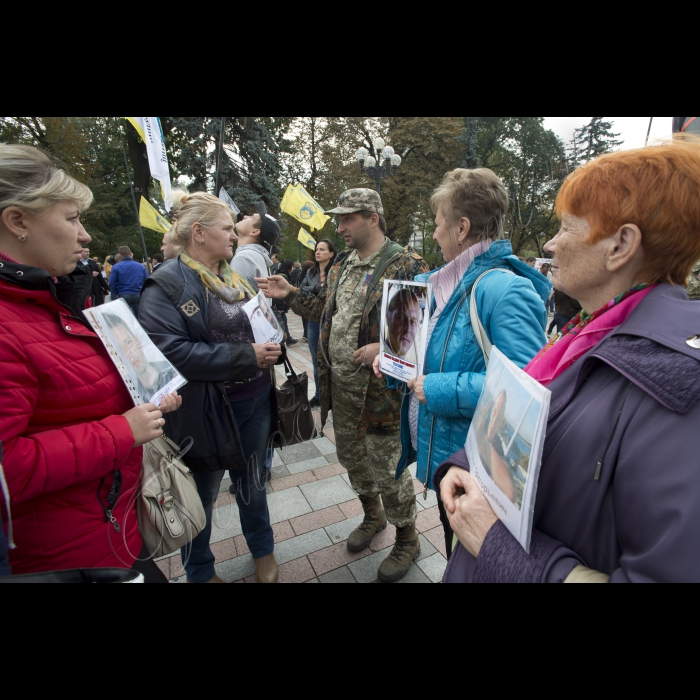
column 378, row 171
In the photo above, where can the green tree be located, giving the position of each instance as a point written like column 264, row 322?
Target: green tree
column 592, row 140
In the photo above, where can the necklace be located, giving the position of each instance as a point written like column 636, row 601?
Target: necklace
column 583, row 320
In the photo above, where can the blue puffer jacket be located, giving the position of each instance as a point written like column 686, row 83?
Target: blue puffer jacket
column 512, row 310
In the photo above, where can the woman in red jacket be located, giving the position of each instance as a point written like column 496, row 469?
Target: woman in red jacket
column 71, row 436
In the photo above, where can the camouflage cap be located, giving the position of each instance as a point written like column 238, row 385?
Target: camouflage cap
column 353, row 201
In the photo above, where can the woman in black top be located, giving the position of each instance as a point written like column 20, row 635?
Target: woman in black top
column 193, row 311
column 326, row 254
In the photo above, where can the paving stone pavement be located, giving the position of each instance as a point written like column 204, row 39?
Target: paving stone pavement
column 313, row 511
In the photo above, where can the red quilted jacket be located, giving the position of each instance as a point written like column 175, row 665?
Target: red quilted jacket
column 61, row 425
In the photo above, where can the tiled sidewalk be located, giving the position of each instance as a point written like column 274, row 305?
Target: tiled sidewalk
column 313, row 511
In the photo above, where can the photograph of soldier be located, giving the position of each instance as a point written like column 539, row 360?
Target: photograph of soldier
column 149, row 377
column 403, row 323
column 265, row 327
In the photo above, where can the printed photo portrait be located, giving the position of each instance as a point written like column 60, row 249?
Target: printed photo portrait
column 404, row 321
column 505, row 424
column 266, row 328
column 404, row 331
column 149, row 372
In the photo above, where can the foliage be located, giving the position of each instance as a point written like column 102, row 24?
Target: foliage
column 592, row 140
column 264, row 154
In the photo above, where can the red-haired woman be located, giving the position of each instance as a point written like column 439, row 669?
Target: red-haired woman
column 619, row 493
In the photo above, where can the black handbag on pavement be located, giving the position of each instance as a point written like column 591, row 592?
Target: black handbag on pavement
column 296, row 419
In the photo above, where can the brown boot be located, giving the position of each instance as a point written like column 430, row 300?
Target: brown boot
column 374, row 523
column 267, row 570
column 405, row 553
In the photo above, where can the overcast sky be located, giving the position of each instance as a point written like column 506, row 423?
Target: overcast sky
column 633, row 130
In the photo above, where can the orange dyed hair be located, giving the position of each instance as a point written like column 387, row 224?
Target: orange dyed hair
column 656, row 188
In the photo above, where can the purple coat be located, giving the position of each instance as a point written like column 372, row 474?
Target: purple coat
column 619, row 489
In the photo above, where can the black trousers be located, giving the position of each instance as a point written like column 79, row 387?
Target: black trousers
column 148, row 569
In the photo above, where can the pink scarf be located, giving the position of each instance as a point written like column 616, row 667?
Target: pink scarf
column 448, row 278
column 555, row 359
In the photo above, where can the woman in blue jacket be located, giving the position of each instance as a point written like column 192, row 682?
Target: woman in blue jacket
column 470, row 207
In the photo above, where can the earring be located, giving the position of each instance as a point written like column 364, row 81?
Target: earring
column 22, row 238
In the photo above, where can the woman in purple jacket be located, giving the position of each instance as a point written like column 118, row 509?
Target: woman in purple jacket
column 619, row 490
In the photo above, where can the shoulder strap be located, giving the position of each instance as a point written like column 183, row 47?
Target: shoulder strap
column 482, row 337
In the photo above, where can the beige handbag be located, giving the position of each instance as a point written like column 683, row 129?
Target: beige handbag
column 170, row 510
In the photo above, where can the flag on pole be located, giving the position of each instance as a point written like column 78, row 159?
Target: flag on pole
column 152, row 219
column 151, row 131
column 299, row 204
column 306, row 239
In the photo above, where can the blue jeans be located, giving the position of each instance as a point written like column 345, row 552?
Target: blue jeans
column 254, row 421
column 314, row 333
column 133, row 300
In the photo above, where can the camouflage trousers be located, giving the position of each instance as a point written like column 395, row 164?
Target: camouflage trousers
column 371, row 460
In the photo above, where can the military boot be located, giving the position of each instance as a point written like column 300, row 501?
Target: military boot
column 374, row 523
column 405, row 553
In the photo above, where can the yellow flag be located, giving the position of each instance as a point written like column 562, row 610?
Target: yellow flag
column 305, row 238
column 301, row 205
column 150, row 218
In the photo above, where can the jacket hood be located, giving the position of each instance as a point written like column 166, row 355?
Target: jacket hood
column 500, row 254
column 255, row 248
column 655, row 348
column 71, row 291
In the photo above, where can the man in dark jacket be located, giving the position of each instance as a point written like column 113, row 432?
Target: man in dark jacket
column 565, row 309
column 99, row 283
column 159, row 260
column 127, row 280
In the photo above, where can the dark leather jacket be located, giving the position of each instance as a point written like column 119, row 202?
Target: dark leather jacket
column 174, row 311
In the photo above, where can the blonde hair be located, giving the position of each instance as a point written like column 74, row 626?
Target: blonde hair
column 477, row 195
column 190, row 209
column 32, row 182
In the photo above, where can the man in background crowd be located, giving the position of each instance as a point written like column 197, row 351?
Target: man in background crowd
column 532, row 262
column 275, row 264
column 257, row 237
column 158, row 261
column 99, row 283
column 170, row 252
column 565, row 309
column 296, row 274
column 127, row 280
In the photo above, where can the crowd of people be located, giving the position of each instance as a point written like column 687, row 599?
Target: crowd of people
column 618, row 497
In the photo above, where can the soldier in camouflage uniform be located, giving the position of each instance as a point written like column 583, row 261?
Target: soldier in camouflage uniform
column 366, row 415
column 694, row 283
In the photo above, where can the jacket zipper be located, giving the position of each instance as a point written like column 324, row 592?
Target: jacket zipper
column 442, row 367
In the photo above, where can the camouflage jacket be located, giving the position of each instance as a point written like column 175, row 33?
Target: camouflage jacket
column 382, row 412
column 694, row 283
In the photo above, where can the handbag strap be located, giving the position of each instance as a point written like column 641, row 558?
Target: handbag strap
column 482, row 337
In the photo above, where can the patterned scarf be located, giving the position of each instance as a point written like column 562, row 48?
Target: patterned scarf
column 233, row 289
column 583, row 333
column 446, row 280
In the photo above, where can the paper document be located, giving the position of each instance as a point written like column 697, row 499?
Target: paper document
column 266, row 328
column 506, row 442
column 148, row 375
column 405, row 321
